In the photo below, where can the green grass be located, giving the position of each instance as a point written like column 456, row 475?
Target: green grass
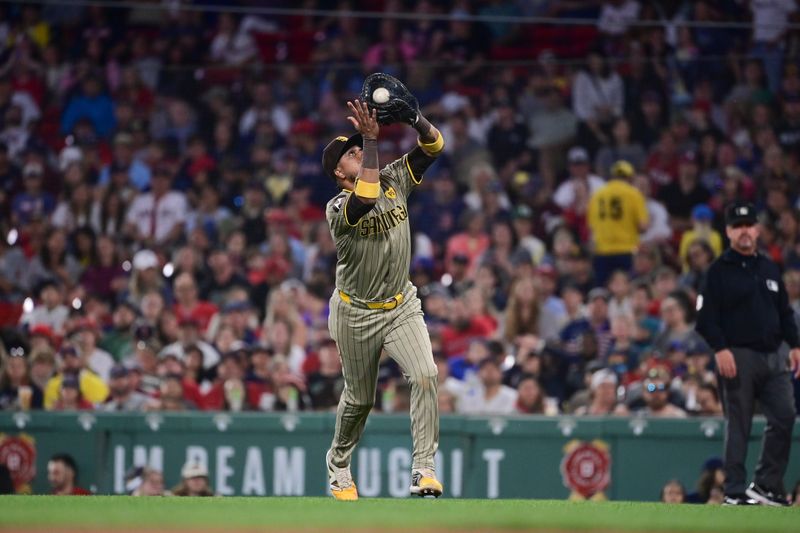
column 293, row 514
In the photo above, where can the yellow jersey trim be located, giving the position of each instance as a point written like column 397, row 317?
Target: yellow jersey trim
column 413, row 177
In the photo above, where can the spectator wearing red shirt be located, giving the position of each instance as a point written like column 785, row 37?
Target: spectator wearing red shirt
column 133, row 91
column 229, row 373
column 662, row 165
column 187, row 303
column 470, row 243
column 62, row 474
column 172, row 365
column 463, row 328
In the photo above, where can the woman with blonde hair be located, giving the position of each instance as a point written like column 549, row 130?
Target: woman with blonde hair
column 282, row 307
column 146, row 276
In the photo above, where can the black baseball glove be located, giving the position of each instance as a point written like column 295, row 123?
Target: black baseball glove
column 402, row 106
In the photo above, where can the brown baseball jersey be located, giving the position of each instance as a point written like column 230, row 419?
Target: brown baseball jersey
column 374, row 252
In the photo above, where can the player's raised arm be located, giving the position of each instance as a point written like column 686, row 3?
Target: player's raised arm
column 430, row 145
column 394, row 103
column 367, row 185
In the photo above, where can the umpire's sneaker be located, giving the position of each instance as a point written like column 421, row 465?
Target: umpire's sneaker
column 341, row 481
column 424, row 484
column 765, row 497
column 738, row 499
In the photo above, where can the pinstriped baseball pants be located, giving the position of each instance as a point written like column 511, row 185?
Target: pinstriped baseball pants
column 360, row 335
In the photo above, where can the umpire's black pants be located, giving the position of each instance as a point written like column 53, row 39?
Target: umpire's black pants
column 766, row 377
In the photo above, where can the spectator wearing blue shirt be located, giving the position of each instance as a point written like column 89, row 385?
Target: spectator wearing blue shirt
column 596, row 322
column 464, row 367
column 91, row 103
column 138, row 172
column 33, row 203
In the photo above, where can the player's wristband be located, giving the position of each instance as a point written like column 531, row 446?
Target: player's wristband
column 432, row 148
column 366, row 189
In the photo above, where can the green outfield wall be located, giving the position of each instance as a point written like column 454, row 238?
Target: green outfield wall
column 283, row 454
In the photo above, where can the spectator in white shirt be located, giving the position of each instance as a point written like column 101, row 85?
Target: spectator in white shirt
column 28, row 106
column 447, row 382
column 489, row 396
column 50, row 311
column 598, row 97
column 83, row 336
column 579, row 167
column 189, row 338
column 157, row 217
column 233, row 45
column 659, row 230
column 770, row 21
column 264, row 108
column 122, row 397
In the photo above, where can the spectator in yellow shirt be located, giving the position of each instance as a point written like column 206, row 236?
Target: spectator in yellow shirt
column 617, row 215
column 91, row 386
column 702, row 216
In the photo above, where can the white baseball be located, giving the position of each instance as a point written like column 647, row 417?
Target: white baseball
column 380, row 95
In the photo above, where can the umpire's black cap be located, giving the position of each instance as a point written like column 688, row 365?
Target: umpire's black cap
column 334, row 151
column 740, row 213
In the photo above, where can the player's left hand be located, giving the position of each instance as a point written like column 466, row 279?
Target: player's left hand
column 402, row 106
column 364, row 120
column 794, row 356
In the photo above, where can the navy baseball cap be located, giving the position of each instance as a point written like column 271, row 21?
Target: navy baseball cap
column 740, row 213
column 118, row 371
column 70, row 380
column 68, row 351
column 336, row 149
column 232, row 307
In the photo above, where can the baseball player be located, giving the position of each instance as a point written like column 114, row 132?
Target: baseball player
column 375, row 306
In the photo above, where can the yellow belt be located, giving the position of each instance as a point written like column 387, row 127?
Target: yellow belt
column 386, row 305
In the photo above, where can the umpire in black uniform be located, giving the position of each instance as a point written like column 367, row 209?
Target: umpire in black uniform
column 745, row 317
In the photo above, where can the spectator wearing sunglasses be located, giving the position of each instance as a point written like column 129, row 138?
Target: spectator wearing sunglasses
column 655, row 392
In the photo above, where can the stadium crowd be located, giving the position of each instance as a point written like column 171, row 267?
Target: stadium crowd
column 162, row 199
